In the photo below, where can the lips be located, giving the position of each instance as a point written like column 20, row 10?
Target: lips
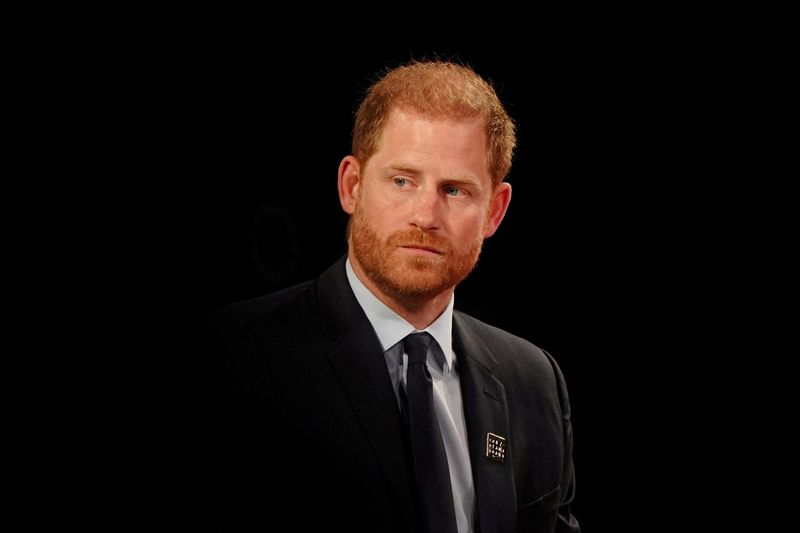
column 423, row 247
column 419, row 242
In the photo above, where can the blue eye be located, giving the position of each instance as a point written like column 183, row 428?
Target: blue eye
column 400, row 182
column 452, row 191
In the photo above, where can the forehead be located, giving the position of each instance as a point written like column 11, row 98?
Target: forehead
column 402, row 117
column 446, row 140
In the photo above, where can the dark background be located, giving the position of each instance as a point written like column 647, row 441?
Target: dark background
column 204, row 172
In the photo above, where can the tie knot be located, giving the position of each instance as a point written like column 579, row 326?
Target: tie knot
column 416, row 346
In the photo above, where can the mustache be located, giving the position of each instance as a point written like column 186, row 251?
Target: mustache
column 419, row 239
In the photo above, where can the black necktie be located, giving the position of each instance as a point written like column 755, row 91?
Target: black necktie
column 430, row 459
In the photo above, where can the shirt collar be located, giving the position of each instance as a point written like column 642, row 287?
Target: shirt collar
column 391, row 328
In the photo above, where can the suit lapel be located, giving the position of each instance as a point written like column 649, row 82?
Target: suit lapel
column 485, row 411
column 361, row 368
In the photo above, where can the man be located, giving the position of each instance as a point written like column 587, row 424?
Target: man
column 363, row 401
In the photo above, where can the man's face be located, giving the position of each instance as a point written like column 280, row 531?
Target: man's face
column 422, row 204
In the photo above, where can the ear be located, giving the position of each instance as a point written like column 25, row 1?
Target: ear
column 349, row 180
column 498, row 206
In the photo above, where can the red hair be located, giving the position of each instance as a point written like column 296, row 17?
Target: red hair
column 438, row 89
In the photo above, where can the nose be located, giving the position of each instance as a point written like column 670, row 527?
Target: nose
column 426, row 209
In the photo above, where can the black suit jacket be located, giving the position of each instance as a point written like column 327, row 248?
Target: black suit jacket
column 310, row 433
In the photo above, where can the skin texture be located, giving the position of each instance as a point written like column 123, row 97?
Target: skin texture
column 421, row 207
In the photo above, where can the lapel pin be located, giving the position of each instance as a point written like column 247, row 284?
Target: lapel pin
column 496, row 447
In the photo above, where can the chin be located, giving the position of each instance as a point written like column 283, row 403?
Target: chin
column 419, row 277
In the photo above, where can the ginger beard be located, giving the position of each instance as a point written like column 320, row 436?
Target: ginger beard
column 405, row 276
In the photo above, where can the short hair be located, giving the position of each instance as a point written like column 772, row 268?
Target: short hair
column 437, row 89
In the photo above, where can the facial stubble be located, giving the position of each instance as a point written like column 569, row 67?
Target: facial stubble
column 406, row 276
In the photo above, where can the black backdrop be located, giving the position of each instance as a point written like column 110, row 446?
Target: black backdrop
column 209, row 176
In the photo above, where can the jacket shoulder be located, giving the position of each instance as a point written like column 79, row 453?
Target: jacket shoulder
column 517, row 358
column 248, row 309
column 270, row 314
column 499, row 339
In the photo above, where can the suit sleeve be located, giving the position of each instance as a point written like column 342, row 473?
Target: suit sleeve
column 240, row 377
column 565, row 522
column 243, row 482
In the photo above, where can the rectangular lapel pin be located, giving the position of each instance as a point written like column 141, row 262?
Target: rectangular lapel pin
column 496, row 447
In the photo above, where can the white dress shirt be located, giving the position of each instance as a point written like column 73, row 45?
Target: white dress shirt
column 391, row 328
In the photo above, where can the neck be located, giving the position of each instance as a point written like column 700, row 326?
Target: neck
column 419, row 311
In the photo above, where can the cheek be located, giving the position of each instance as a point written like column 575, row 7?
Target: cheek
column 471, row 228
column 374, row 202
column 377, row 218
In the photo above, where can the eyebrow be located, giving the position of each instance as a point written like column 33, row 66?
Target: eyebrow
column 410, row 169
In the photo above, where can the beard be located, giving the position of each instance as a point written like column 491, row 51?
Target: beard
column 405, row 276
